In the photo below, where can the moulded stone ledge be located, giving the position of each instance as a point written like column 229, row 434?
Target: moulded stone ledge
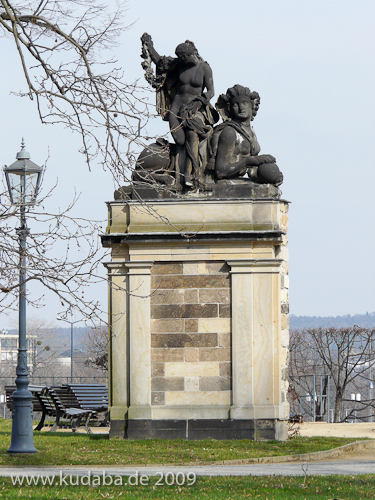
column 195, row 216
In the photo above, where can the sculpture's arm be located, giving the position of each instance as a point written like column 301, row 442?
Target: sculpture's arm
column 208, row 82
column 225, row 167
column 148, row 47
column 255, row 161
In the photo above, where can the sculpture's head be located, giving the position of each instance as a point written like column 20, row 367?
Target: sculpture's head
column 239, row 103
column 186, row 51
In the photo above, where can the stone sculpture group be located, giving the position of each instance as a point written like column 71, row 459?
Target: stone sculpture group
column 203, row 153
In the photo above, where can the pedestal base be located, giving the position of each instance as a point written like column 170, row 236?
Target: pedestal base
column 260, row 430
column 199, row 318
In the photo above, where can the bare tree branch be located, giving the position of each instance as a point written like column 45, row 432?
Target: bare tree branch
column 63, row 254
column 61, row 47
column 345, row 354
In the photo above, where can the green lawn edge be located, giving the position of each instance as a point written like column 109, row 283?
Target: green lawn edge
column 330, row 487
column 72, row 449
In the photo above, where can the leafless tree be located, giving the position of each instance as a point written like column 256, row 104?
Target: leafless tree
column 63, row 255
column 43, row 350
column 346, row 354
column 96, row 345
column 305, row 368
column 63, row 47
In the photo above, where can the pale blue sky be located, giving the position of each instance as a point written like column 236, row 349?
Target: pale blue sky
column 312, row 64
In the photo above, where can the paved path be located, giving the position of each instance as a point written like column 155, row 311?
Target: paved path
column 279, row 469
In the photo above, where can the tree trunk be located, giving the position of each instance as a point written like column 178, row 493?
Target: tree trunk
column 338, row 401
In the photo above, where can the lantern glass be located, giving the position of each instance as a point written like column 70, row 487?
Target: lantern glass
column 23, row 186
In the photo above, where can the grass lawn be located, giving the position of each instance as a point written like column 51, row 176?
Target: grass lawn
column 221, row 488
column 67, row 448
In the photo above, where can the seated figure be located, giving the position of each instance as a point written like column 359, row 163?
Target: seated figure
column 234, row 146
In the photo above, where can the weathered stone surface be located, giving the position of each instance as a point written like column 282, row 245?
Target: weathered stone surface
column 202, row 369
column 217, row 267
column 214, row 325
column 157, row 369
column 159, row 429
column 191, row 325
column 284, row 222
column 220, row 429
column 214, row 384
column 167, row 296
column 225, row 369
column 197, row 398
column 191, row 296
column 117, row 429
column 191, row 268
column 284, row 308
column 184, row 340
column 192, row 384
column 162, row 355
column 167, row 326
column 284, row 338
column 244, row 188
column 284, row 296
column 184, row 311
column 224, row 189
column 212, row 354
column 172, row 282
column 147, row 192
column 167, row 384
column 284, row 321
column 284, row 281
column 163, row 268
column 196, row 429
column 264, row 424
column 191, row 354
column 157, row 398
column 214, row 296
column 224, row 339
column 171, row 340
column 224, row 311
column 262, row 297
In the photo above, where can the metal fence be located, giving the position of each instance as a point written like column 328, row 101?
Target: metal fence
column 310, row 396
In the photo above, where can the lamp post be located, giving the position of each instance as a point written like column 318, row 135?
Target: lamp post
column 59, row 318
column 371, row 382
column 23, row 179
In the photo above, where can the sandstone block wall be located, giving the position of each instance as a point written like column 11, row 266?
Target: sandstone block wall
column 190, row 333
column 200, row 326
column 282, row 252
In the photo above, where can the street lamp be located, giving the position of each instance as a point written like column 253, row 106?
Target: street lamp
column 23, row 178
column 59, row 318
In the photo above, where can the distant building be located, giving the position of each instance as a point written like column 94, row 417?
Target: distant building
column 79, row 357
column 9, row 347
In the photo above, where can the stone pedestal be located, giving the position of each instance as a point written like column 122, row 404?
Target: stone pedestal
column 198, row 301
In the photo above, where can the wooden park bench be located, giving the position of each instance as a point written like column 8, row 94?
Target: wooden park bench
column 68, row 407
column 41, row 402
column 73, row 402
column 92, row 397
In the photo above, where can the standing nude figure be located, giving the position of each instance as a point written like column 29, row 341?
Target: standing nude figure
column 184, row 88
